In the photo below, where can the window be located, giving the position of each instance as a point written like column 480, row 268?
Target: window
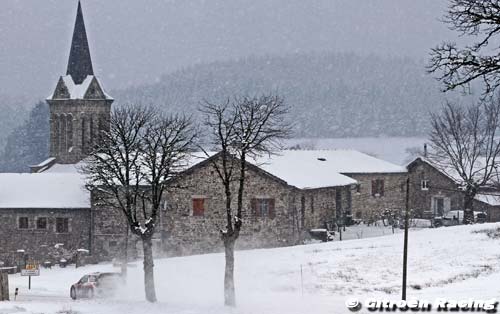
column 198, row 206
column 41, row 223
column 69, row 130
column 439, row 206
column 312, row 204
column 62, row 133
column 23, row 223
column 424, row 184
column 62, row 225
column 358, row 188
column 91, row 132
column 263, row 207
column 102, row 128
column 84, row 135
column 378, row 187
column 402, row 187
column 55, row 121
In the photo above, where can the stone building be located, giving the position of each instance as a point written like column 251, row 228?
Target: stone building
column 286, row 196
column 51, row 206
column 434, row 193
column 279, row 208
column 79, row 106
column 380, row 185
column 39, row 211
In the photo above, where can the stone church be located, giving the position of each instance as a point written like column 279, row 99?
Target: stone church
column 79, row 106
column 286, row 195
column 50, row 207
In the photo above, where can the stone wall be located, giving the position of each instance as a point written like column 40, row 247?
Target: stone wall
column 87, row 118
column 38, row 242
column 187, row 233
column 493, row 213
column 112, row 238
column 369, row 207
column 181, row 232
column 317, row 207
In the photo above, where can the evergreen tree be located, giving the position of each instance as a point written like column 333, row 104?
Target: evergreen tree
column 27, row 144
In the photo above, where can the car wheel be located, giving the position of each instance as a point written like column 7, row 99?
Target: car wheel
column 90, row 293
column 72, row 293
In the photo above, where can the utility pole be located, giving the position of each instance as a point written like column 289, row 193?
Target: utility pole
column 405, row 248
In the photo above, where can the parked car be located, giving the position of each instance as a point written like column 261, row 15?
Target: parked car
column 323, row 235
column 481, row 217
column 95, row 284
column 455, row 217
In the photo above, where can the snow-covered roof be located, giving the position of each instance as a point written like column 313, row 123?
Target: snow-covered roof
column 310, row 169
column 43, row 190
column 453, row 175
column 45, row 163
column 493, row 200
column 63, row 186
column 66, row 168
column 78, row 91
column 323, row 168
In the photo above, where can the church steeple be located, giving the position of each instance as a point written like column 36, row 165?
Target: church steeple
column 79, row 107
column 80, row 63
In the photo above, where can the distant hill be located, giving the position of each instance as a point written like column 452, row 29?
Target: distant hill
column 330, row 95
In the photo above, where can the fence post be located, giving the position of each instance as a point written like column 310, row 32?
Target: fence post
column 405, row 247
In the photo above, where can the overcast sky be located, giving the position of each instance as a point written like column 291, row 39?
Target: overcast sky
column 133, row 42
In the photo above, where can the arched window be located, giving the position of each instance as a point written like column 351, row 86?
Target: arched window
column 91, row 131
column 57, row 128
column 69, row 131
column 102, row 128
column 83, row 126
column 62, row 133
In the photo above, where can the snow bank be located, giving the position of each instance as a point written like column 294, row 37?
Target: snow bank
column 454, row 262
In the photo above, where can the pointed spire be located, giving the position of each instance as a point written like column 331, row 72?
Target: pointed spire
column 79, row 64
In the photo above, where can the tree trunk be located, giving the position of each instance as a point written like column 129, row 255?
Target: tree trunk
column 149, row 280
column 124, row 265
column 4, row 287
column 468, row 207
column 229, row 294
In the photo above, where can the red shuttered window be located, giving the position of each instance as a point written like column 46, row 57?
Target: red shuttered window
column 198, row 206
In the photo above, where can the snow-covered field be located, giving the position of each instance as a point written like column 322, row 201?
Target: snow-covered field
column 453, row 262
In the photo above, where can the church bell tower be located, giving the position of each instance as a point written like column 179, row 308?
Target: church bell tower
column 79, row 107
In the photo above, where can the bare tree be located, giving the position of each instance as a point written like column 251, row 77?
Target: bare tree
column 459, row 66
column 464, row 145
column 130, row 170
column 247, row 127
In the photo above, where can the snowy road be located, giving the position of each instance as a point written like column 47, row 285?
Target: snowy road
column 454, row 262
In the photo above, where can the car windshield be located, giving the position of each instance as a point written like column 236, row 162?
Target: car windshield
column 83, row 279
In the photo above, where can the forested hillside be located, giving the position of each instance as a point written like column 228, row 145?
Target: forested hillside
column 28, row 143
column 331, row 95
